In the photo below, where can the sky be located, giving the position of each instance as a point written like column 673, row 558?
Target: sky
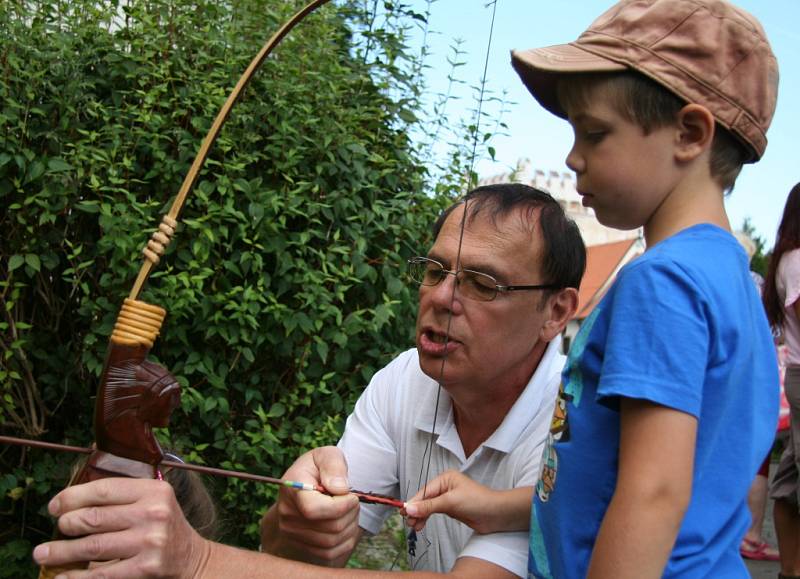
column 533, row 133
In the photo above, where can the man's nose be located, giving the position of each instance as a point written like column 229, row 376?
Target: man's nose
column 442, row 293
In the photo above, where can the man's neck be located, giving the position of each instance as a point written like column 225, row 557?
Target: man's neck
column 480, row 414
column 474, row 431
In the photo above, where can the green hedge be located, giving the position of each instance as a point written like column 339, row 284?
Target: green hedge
column 285, row 286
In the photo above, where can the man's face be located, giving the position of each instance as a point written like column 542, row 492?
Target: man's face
column 491, row 344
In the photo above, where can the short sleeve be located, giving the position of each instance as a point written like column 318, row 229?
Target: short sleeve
column 789, row 272
column 658, row 338
column 370, row 451
column 507, row 550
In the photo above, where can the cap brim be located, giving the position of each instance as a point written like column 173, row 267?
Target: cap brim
column 539, row 68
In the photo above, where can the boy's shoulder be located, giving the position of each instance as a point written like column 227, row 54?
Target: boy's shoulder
column 692, row 246
column 703, row 260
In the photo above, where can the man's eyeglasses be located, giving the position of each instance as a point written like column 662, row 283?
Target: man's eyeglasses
column 472, row 284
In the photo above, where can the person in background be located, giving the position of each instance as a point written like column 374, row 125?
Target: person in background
column 194, row 499
column 782, row 303
column 753, row 544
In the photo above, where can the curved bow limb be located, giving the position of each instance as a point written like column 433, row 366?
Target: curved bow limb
column 161, row 238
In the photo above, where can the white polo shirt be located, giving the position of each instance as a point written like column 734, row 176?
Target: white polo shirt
column 385, row 443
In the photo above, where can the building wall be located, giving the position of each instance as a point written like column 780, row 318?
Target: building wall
column 562, row 187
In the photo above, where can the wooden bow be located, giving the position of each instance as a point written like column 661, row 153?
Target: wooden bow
column 134, row 394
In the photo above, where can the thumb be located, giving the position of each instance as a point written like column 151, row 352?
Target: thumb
column 421, row 509
column 417, row 512
column 435, row 488
column 332, row 468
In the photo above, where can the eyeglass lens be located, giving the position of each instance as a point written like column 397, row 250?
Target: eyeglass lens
column 472, row 284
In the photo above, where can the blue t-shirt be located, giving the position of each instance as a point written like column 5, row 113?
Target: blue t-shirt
column 682, row 327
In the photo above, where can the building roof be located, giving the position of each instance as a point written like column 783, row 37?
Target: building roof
column 602, row 264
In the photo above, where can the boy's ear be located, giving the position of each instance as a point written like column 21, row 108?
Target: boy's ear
column 563, row 306
column 695, row 132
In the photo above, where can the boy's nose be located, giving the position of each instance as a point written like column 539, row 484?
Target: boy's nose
column 575, row 161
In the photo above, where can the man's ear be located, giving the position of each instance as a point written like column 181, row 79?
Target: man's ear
column 695, row 132
column 562, row 307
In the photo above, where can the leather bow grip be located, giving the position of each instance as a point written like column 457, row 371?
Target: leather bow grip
column 134, row 395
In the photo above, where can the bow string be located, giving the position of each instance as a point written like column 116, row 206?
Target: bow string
column 428, row 452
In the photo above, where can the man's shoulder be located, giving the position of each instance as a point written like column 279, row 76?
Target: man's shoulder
column 405, row 363
column 401, row 377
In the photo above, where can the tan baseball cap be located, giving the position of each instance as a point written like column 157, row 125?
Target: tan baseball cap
column 707, row 52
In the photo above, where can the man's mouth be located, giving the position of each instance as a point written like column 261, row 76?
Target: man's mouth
column 436, row 337
column 436, row 343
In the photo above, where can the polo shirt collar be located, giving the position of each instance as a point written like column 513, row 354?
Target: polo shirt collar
column 519, row 417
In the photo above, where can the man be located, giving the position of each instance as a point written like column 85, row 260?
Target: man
column 497, row 288
column 499, row 367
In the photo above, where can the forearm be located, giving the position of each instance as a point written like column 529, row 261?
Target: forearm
column 232, row 563
column 636, row 537
column 508, row 511
column 483, row 509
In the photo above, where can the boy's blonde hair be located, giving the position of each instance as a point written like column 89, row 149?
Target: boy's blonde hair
column 646, row 103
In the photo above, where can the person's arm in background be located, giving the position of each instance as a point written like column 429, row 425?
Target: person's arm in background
column 654, row 487
column 481, row 508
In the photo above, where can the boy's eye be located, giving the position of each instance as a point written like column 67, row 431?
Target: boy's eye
column 594, row 136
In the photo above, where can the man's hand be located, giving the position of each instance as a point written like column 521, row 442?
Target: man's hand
column 309, row 526
column 136, row 524
column 483, row 509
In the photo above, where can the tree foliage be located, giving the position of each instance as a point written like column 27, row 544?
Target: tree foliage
column 284, row 288
column 759, row 262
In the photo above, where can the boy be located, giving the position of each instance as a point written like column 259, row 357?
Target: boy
column 670, row 394
column 667, row 412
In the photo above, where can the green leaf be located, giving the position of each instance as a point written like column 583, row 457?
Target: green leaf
column 15, row 261
column 57, row 165
column 322, row 350
column 407, row 116
column 89, row 206
column 32, row 261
